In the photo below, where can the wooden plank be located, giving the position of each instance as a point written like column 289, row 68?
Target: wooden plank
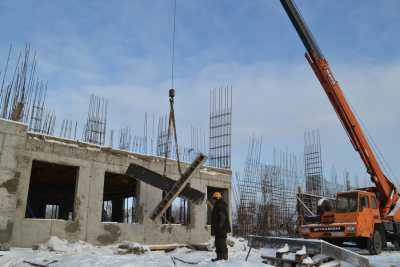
column 158, row 247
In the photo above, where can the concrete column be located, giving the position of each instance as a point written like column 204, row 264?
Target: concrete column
column 12, row 138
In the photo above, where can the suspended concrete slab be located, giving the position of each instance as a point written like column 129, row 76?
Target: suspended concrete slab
column 161, row 182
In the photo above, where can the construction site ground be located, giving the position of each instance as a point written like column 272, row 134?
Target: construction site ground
column 60, row 253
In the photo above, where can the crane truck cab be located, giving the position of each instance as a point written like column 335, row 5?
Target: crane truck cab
column 354, row 218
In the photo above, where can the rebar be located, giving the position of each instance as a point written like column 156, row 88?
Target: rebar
column 164, row 146
column 249, row 186
column 265, row 194
column 125, row 138
column 96, row 123
column 22, row 95
column 313, row 163
column 220, row 127
column 69, row 129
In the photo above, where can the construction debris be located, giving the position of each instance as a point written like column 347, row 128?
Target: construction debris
column 40, row 263
column 317, row 252
column 132, row 248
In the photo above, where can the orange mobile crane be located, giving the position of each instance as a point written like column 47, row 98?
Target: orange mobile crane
column 368, row 216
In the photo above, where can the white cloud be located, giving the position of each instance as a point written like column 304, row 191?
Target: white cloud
column 121, row 51
column 270, row 99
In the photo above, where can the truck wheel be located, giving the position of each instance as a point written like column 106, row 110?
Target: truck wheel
column 375, row 243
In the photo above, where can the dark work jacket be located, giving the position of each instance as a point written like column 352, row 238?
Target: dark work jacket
column 220, row 225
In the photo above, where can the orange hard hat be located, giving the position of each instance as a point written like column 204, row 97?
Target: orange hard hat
column 217, row 195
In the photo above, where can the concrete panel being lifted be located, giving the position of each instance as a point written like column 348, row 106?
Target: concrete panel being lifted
column 161, row 182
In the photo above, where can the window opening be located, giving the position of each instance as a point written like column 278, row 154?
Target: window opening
column 51, row 192
column 178, row 212
column 119, row 199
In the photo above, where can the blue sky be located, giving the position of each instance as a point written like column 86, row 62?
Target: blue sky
column 121, row 50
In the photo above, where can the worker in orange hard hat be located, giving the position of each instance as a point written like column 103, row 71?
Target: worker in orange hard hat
column 220, row 226
column 216, row 195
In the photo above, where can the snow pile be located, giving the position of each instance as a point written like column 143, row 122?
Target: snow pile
column 4, row 247
column 60, row 245
column 302, row 251
column 61, row 253
column 240, row 245
column 210, row 244
column 128, row 247
column 233, row 243
column 284, row 249
column 308, row 260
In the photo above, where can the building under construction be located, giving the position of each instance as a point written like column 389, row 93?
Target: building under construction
column 272, row 199
column 77, row 187
column 266, row 196
column 80, row 191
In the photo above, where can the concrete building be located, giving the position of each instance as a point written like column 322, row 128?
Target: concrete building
column 78, row 191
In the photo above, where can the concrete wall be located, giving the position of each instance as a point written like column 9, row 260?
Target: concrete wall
column 12, row 140
column 18, row 150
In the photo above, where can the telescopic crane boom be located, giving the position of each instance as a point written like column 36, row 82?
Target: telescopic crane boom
column 385, row 189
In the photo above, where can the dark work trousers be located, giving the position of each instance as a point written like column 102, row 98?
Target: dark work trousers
column 220, row 246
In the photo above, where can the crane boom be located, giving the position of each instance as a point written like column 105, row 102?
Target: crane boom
column 385, row 189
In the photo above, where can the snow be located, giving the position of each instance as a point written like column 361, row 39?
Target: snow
column 284, row 249
column 308, row 260
column 395, row 209
column 302, row 251
column 60, row 245
column 320, row 201
column 83, row 254
column 386, row 258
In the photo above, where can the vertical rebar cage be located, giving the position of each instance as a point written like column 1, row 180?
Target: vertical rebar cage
column 220, row 138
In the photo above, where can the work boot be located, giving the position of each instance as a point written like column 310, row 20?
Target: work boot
column 218, row 258
column 225, row 256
